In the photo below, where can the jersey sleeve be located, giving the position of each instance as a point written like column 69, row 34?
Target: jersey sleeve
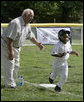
column 55, row 49
column 70, row 48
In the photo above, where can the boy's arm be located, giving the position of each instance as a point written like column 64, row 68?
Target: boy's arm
column 75, row 53
column 59, row 55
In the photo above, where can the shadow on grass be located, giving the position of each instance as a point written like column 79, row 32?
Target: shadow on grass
column 74, row 82
column 36, row 67
column 71, row 66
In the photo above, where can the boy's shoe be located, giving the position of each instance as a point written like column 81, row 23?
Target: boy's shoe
column 50, row 80
column 57, row 88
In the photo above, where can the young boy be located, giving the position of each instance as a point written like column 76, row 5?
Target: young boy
column 61, row 53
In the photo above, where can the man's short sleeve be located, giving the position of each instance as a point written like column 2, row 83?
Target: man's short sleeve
column 12, row 30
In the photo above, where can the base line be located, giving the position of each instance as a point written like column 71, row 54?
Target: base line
column 41, row 86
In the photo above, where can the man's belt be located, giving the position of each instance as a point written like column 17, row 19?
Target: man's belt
column 6, row 42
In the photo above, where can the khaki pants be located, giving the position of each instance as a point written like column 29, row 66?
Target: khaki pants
column 10, row 67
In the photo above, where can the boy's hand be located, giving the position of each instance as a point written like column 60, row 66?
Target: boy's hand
column 62, row 54
column 77, row 54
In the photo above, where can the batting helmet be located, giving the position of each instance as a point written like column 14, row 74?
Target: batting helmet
column 61, row 33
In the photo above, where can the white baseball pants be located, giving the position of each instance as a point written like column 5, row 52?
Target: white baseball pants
column 62, row 70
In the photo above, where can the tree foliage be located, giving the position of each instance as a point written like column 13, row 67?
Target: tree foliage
column 45, row 11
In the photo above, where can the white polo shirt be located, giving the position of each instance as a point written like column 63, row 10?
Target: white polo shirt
column 18, row 31
column 60, row 47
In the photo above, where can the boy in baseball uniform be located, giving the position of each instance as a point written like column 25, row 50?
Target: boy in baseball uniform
column 61, row 52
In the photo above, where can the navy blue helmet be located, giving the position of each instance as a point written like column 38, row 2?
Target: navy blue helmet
column 61, row 35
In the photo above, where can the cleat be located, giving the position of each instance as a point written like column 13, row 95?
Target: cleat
column 57, row 88
column 50, row 80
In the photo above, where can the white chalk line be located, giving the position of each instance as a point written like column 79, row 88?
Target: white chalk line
column 48, row 87
column 53, row 85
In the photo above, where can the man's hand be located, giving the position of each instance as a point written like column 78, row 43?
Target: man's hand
column 37, row 43
column 40, row 46
column 11, row 55
column 10, row 48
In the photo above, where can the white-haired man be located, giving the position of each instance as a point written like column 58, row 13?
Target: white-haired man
column 12, row 40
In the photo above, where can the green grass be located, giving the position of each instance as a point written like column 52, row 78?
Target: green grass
column 35, row 68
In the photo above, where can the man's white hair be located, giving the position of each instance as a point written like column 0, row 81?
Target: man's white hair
column 27, row 12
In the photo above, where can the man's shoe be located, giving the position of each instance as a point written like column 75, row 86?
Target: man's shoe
column 57, row 88
column 13, row 87
column 50, row 80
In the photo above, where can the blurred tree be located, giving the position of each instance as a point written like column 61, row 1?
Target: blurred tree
column 45, row 11
column 71, row 10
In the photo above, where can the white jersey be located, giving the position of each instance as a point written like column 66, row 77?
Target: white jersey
column 60, row 47
column 17, row 31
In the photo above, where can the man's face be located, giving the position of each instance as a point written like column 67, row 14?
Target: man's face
column 28, row 19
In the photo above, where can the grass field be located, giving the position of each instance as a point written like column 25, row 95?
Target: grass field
column 35, row 68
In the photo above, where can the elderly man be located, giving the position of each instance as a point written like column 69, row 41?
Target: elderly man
column 12, row 40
